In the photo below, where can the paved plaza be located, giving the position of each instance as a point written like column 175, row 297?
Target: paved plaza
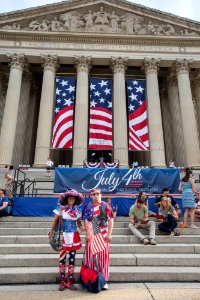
column 125, row 291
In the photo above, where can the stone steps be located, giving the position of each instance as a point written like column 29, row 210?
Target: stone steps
column 26, row 256
column 116, row 231
column 24, row 275
column 116, row 239
column 114, row 248
column 51, row 260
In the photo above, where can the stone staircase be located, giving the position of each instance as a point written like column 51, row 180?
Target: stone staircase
column 43, row 185
column 26, row 257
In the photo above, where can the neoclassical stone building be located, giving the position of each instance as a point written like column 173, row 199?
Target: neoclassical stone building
column 107, row 39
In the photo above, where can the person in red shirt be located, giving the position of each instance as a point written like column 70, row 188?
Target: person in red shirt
column 98, row 221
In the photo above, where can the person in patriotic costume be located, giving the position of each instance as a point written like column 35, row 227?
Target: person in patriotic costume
column 98, row 220
column 70, row 210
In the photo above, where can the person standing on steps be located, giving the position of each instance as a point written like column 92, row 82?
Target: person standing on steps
column 70, row 211
column 49, row 165
column 188, row 188
column 98, row 220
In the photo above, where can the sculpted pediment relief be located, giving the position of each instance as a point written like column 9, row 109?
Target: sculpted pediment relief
column 100, row 19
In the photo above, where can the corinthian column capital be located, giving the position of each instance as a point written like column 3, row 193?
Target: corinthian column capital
column 182, row 65
column 83, row 63
column 119, row 64
column 151, row 65
column 16, row 61
column 50, row 62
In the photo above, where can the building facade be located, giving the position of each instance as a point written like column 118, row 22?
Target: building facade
column 105, row 39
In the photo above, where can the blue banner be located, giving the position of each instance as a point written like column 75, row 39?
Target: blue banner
column 117, row 181
column 43, row 207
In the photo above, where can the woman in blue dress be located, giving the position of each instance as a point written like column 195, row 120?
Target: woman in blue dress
column 188, row 189
column 70, row 211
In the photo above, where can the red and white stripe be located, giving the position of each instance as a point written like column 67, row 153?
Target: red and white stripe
column 100, row 128
column 63, row 128
column 97, row 242
column 103, row 259
column 138, row 129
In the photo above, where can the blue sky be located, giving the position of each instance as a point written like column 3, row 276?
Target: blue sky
column 185, row 8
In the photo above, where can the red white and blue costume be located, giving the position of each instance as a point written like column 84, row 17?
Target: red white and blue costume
column 101, row 214
column 71, row 237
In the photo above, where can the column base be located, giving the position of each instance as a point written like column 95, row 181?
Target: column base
column 196, row 167
column 123, row 166
column 77, row 165
column 159, row 166
column 5, row 165
column 39, row 166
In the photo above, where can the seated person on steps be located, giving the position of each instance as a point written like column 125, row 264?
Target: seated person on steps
column 170, row 217
column 197, row 205
column 3, row 204
column 139, row 220
column 165, row 193
column 143, row 196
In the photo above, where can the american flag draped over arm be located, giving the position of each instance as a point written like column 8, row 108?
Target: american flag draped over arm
column 137, row 115
column 64, row 111
column 100, row 128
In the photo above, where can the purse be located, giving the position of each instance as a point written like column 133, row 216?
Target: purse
column 56, row 241
column 91, row 280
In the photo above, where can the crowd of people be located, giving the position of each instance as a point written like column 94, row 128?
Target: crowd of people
column 96, row 218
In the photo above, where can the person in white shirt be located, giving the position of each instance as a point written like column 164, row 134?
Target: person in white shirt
column 49, row 165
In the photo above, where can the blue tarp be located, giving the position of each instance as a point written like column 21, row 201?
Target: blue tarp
column 117, row 181
column 43, row 207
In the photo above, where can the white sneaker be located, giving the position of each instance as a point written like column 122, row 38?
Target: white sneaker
column 105, row 286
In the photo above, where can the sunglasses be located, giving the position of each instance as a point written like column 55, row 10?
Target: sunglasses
column 95, row 194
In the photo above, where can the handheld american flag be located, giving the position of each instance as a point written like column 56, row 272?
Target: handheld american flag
column 100, row 128
column 64, row 110
column 97, row 242
column 137, row 115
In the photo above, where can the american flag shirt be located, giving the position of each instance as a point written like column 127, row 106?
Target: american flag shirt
column 93, row 211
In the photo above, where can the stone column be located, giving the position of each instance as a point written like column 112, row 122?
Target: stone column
column 167, row 124
column 196, row 89
column 119, row 67
column 22, row 119
column 83, row 65
column 3, row 90
column 157, row 151
column 30, row 125
column 44, row 130
column 9, row 122
column 175, row 120
column 190, row 135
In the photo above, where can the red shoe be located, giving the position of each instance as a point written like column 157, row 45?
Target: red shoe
column 62, row 286
column 69, row 285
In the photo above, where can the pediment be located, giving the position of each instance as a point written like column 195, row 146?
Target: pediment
column 104, row 17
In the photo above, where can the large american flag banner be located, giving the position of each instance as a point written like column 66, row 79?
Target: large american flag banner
column 100, row 128
column 137, row 115
column 64, row 111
